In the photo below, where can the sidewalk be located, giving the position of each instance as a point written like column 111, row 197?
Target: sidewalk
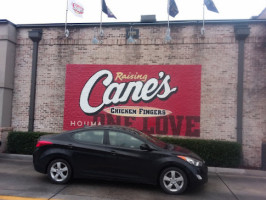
column 215, row 170
column 19, row 179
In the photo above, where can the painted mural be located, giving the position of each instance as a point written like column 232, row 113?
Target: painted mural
column 156, row 99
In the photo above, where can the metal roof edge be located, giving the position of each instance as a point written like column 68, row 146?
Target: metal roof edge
column 183, row 22
column 5, row 21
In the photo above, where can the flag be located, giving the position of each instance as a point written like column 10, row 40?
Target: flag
column 76, row 8
column 172, row 8
column 210, row 6
column 106, row 10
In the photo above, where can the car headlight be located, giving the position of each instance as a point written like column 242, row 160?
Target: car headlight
column 192, row 161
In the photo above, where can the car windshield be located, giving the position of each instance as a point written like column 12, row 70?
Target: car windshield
column 153, row 140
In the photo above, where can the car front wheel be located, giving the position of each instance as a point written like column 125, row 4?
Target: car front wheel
column 173, row 180
column 59, row 171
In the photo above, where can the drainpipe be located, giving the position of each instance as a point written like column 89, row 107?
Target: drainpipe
column 35, row 36
column 241, row 33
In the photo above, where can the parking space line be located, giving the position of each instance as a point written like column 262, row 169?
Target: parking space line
column 22, row 198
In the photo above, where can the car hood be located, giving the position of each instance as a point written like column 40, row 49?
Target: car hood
column 178, row 150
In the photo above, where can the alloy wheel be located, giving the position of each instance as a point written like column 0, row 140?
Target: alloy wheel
column 173, row 181
column 59, row 171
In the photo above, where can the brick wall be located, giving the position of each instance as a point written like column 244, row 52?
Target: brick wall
column 217, row 53
column 254, row 113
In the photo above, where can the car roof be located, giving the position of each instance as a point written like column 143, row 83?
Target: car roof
column 109, row 127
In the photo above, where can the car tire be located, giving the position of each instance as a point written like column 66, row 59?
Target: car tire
column 173, row 180
column 59, row 171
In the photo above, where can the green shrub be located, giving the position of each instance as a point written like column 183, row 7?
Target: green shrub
column 215, row 153
column 23, row 142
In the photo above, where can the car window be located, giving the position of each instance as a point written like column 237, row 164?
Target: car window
column 90, row 136
column 124, row 140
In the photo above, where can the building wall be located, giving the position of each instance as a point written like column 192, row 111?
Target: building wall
column 254, row 111
column 7, row 63
column 217, row 52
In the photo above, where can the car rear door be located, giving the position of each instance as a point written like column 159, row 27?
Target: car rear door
column 89, row 153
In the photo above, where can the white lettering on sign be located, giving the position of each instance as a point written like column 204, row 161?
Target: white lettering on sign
column 84, row 123
column 120, row 93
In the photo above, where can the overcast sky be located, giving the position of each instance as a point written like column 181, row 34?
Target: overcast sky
column 53, row 11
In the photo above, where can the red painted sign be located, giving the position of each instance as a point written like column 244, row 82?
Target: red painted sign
column 156, row 99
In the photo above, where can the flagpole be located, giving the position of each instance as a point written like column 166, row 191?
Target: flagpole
column 168, row 11
column 168, row 35
column 66, row 30
column 101, row 31
column 203, row 21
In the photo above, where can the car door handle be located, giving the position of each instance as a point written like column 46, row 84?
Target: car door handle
column 113, row 153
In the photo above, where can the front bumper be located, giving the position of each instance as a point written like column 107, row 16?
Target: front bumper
column 199, row 175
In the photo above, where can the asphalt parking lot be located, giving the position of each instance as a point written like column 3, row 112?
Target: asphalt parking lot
column 19, row 181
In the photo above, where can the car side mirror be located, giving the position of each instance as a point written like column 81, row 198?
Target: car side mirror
column 145, row 147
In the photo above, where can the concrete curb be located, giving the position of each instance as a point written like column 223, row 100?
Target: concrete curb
column 236, row 171
column 15, row 156
column 216, row 170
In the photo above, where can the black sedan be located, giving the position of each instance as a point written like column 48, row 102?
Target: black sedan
column 118, row 153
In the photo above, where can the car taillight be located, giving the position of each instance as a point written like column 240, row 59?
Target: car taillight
column 43, row 143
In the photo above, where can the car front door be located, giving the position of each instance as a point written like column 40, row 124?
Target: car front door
column 126, row 159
